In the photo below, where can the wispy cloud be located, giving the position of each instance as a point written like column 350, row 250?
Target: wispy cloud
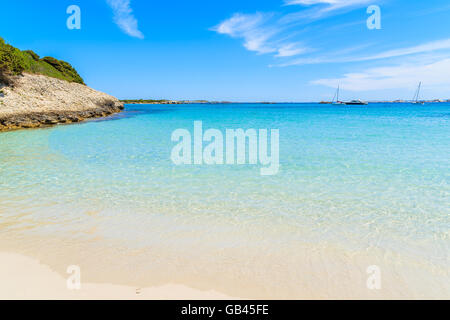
column 250, row 28
column 320, row 8
column 340, row 57
column 290, row 50
column 124, row 18
column 330, row 4
column 426, row 47
column 406, row 75
column 260, row 34
column 269, row 33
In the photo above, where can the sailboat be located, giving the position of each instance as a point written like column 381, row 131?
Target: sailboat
column 417, row 94
column 336, row 96
column 349, row 103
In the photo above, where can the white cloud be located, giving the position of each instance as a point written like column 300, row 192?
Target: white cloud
column 427, row 47
column 124, row 18
column 320, row 8
column 337, row 57
column 407, row 75
column 331, row 4
column 249, row 27
column 290, row 50
column 267, row 33
column 260, row 34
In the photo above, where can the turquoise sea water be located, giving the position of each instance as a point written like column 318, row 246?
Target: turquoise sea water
column 357, row 186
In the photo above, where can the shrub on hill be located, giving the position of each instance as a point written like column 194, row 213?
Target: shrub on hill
column 14, row 62
column 33, row 54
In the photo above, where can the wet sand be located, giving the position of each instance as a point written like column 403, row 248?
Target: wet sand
column 24, row 278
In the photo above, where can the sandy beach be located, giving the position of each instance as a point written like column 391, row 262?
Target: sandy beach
column 24, row 278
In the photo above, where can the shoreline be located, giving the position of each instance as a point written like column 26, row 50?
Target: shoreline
column 37, row 269
column 25, row 278
column 45, row 119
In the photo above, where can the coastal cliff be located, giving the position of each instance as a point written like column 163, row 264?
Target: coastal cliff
column 37, row 100
column 37, row 92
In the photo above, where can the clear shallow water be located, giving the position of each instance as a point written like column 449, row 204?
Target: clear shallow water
column 357, row 186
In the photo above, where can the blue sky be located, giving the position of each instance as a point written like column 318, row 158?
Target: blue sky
column 271, row 50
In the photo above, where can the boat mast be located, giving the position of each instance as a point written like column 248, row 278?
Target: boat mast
column 418, row 90
column 416, row 96
column 336, row 96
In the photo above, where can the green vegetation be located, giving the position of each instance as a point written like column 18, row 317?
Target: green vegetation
column 33, row 54
column 14, row 62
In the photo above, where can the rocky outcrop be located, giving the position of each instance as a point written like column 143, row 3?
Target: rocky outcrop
column 35, row 101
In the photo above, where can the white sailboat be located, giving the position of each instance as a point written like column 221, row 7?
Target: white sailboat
column 336, row 96
column 417, row 94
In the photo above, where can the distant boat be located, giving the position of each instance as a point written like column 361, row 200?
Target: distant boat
column 336, row 100
column 336, row 97
column 417, row 94
column 356, row 103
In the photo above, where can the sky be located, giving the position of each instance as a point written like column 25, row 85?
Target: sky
column 246, row 50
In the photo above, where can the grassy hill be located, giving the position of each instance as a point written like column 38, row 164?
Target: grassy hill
column 14, row 62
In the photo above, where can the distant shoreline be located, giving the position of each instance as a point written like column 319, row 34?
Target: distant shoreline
column 148, row 101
